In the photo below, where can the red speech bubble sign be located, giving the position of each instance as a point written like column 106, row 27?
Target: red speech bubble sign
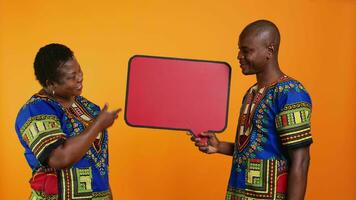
column 179, row 94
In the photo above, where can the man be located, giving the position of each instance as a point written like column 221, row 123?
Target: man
column 271, row 151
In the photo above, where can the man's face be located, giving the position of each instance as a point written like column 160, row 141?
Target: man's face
column 252, row 54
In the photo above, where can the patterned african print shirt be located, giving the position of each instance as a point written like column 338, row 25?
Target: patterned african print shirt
column 42, row 125
column 272, row 120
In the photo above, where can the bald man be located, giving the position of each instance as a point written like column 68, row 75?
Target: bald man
column 271, row 150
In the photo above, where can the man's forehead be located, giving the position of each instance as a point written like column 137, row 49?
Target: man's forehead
column 246, row 40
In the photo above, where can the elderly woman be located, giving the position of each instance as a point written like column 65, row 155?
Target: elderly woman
column 64, row 134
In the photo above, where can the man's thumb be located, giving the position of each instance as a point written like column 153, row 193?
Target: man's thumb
column 207, row 134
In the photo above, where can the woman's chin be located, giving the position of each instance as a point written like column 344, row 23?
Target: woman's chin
column 78, row 92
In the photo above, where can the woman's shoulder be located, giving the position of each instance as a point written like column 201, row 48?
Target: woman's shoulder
column 39, row 100
column 37, row 107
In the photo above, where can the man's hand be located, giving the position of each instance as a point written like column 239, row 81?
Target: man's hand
column 209, row 147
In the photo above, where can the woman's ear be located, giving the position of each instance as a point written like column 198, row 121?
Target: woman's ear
column 50, row 85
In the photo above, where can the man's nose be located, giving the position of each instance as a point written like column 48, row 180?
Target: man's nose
column 239, row 55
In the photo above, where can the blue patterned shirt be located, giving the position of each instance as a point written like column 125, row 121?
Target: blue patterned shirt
column 273, row 119
column 42, row 125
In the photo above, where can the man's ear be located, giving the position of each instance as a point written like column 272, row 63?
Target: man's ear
column 270, row 51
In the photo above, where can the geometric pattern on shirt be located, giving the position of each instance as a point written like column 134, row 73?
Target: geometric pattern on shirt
column 80, row 113
column 81, row 118
column 85, row 117
column 76, row 183
column 252, row 101
column 104, row 195
column 255, row 144
column 237, row 194
column 293, row 124
column 254, row 105
column 36, row 195
column 41, row 131
column 260, row 180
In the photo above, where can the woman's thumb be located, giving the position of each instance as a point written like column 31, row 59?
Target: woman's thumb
column 105, row 108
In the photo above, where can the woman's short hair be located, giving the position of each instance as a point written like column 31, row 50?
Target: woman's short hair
column 47, row 61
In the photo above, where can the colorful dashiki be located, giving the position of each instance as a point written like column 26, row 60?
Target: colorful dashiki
column 42, row 125
column 272, row 120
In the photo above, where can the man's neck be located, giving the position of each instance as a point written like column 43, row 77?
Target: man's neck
column 271, row 74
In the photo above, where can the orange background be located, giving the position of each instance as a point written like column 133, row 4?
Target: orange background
column 318, row 48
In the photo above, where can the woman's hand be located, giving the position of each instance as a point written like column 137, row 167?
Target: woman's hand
column 106, row 118
column 74, row 148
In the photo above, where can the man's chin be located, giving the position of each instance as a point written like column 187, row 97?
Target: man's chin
column 247, row 72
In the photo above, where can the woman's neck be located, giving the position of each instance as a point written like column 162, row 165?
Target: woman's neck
column 64, row 101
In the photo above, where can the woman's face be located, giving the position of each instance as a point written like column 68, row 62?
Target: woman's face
column 70, row 80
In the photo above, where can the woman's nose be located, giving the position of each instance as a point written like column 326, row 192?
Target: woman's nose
column 80, row 77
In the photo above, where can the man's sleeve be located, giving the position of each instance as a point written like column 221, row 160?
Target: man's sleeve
column 293, row 120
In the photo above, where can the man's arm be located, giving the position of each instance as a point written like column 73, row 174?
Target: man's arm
column 298, row 173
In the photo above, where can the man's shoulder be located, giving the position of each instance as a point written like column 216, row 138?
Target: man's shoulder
column 291, row 91
column 288, row 80
column 289, row 84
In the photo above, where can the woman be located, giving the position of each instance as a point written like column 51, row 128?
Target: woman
column 64, row 134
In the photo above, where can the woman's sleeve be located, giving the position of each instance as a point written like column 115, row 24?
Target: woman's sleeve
column 40, row 129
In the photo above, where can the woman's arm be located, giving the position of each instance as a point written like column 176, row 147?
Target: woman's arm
column 74, row 148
